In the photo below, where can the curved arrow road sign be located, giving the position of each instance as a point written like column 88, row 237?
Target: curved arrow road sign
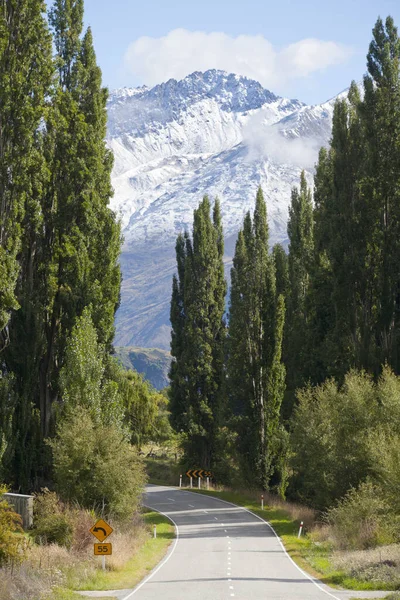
column 101, row 530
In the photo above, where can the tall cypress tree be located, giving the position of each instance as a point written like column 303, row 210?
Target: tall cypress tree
column 255, row 369
column 198, row 336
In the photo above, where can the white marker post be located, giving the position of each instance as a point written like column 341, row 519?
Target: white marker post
column 262, row 501
column 191, row 482
column 103, row 562
column 301, row 529
column 180, row 481
column 208, row 483
column 199, row 483
column 155, row 531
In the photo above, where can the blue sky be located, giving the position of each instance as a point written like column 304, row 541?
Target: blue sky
column 284, row 44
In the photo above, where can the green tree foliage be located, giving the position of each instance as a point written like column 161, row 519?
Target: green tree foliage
column 281, row 264
column 96, row 466
column 301, row 249
column 335, row 431
column 198, row 336
column 25, row 75
column 355, row 288
column 86, row 378
column 142, row 406
column 70, row 242
column 255, row 370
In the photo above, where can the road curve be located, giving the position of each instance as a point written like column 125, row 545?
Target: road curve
column 221, row 552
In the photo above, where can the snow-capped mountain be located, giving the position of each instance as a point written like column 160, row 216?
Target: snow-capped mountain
column 211, row 133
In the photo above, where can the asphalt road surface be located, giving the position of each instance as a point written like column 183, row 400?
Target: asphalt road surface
column 221, row 552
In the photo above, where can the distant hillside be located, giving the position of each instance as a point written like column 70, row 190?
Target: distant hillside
column 153, row 363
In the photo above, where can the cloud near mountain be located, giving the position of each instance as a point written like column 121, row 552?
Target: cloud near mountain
column 153, row 60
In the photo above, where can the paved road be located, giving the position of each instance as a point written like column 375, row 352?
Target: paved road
column 223, row 552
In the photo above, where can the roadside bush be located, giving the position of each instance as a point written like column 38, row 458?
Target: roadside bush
column 52, row 523
column 11, row 543
column 362, row 519
column 335, row 442
column 96, row 467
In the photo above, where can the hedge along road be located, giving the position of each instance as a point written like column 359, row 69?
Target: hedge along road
column 223, row 551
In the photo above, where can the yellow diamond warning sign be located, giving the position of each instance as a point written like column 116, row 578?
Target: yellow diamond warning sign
column 101, row 530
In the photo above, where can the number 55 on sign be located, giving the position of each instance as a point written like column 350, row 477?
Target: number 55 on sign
column 102, row 549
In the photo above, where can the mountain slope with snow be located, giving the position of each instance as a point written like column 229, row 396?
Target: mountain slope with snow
column 211, row 133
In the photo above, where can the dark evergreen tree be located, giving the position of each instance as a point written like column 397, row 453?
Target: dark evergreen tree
column 281, row 270
column 25, row 72
column 71, row 240
column 355, row 289
column 301, row 248
column 255, row 371
column 198, row 336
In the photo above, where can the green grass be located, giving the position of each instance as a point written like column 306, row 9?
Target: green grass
column 315, row 559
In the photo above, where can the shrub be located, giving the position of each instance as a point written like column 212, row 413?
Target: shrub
column 52, row 521
column 334, row 437
column 11, row 543
column 362, row 519
column 95, row 466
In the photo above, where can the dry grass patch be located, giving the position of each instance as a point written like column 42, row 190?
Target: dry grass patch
column 380, row 565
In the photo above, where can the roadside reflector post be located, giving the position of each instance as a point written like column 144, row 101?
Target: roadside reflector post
column 155, row 531
column 208, row 483
column 300, row 529
column 191, row 482
column 199, row 483
column 180, row 481
column 262, row 501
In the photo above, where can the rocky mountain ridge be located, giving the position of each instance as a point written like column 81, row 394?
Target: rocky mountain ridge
column 211, row 133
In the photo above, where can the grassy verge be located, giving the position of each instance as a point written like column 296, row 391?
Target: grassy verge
column 314, row 558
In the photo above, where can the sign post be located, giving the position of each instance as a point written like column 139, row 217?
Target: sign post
column 101, row 530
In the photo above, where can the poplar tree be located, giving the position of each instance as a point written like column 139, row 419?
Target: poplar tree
column 198, row 336
column 255, row 370
column 25, row 72
column 25, row 75
column 357, row 220
column 301, row 248
column 71, row 241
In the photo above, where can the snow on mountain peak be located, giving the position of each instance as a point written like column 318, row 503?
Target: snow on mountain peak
column 213, row 132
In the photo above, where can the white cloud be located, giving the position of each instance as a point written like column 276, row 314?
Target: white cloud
column 264, row 141
column 180, row 52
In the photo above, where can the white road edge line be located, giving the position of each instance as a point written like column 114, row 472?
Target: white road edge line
column 170, row 553
column 276, row 535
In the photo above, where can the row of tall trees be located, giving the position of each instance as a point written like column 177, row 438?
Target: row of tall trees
column 59, row 241
column 59, row 251
column 344, row 254
column 215, row 377
column 331, row 304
